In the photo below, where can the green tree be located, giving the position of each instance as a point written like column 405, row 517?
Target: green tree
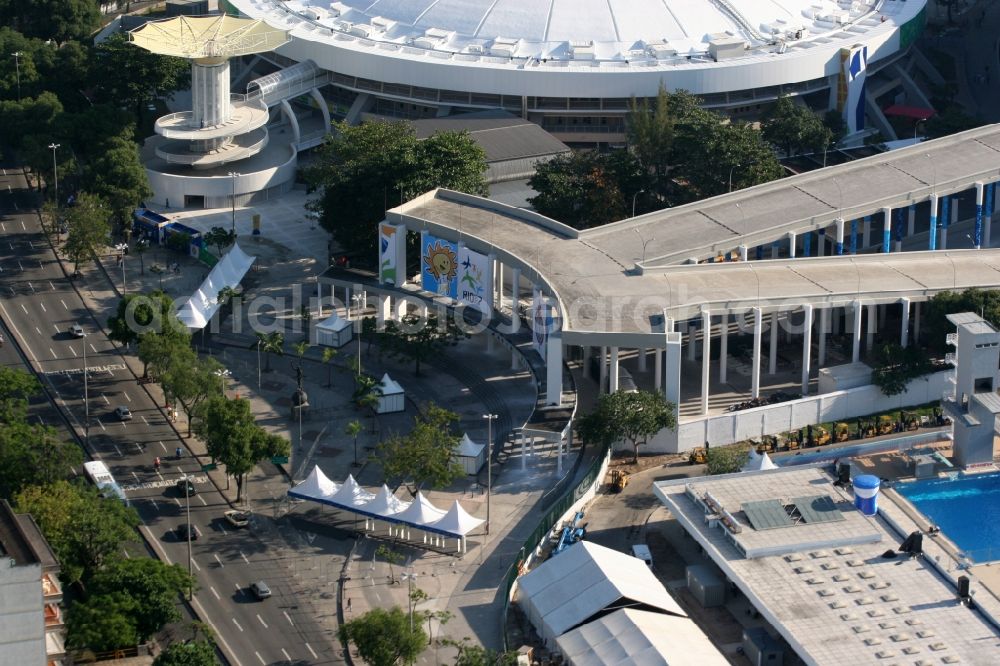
column 138, row 314
column 118, row 176
column 793, row 127
column 426, row 455
column 951, row 120
column 895, row 367
column 329, row 354
column 190, row 653
column 352, row 430
column 632, row 417
column 88, row 228
column 84, row 529
column 391, row 558
column 270, row 343
column 29, row 126
column 128, row 76
column 476, row 655
column 649, row 131
column 58, row 20
column 33, row 455
column 587, row 189
column 159, row 352
column 416, row 338
column 101, row 623
column 364, row 169
column 385, row 637
column 735, row 148
column 152, row 585
column 934, row 325
column 220, row 238
column 192, row 380
column 726, row 459
column 17, row 386
column 233, row 437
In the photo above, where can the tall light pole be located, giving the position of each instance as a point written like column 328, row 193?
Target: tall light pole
column 234, row 175
column 86, row 399
column 633, row 200
column 122, row 247
column 409, row 576
column 644, row 243
column 357, row 298
column 258, row 363
column 489, row 464
column 17, row 68
column 187, row 501
column 55, row 169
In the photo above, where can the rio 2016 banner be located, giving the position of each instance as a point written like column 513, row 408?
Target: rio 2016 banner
column 475, row 280
column 851, row 91
column 391, row 253
column 438, row 265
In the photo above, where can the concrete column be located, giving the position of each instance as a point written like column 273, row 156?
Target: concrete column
column 904, row 334
column 347, row 301
column 887, row 230
column 758, row 324
column 977, row 237
column 642, row 358
column 856, row 348
column 723, row 347
column 319, row 300
column 821, row 242
column 400, row 308
column 838, row 248
column 613, row 371
column 692, row 330
column 515, row 291
column 911, row 220
column 916, row 322
column 988, row 216
column 672, row 369
column 945, row 212
column 824, row 325
column 806, row 346
column 744, row 252
column 872, row 325
column 775, row 249
column 807, row 243
column 706, row 357
column 866, row 230
column 772, row 359
column 499, row 273
column 932, row 233
column 553, row 368
column 657, row 369
column 854, row 236
column 602, row 375
column 791, row 245
column 897, row 231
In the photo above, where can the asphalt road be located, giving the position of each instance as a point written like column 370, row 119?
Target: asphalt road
column 38, row 304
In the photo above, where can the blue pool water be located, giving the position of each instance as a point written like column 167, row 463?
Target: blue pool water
column 967, row 509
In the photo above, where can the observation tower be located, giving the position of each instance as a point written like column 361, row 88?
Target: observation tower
column 221, row 127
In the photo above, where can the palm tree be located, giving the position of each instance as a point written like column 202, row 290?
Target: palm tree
column 270, row 343
column 353, row 429
column 371, row 400
column 329, row 354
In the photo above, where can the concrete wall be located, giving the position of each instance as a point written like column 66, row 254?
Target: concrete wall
column 22, row 622
column 732, row 427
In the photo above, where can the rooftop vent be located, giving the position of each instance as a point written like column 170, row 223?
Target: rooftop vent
column 504, row 46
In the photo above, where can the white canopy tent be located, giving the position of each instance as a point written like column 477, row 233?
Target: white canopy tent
column 334, row 331
column 393, row 399
column 584, row 580
column 351, row 496
column 199, row 308
column 630, row 637
column 758, row 462
column 470, row 455
column 315, row 487
column 457, row 521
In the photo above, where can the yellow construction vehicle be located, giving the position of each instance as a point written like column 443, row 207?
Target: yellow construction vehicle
column 886, row 426
column 909, row 420
column 841, row 432
column 768, row 444
column 821, row 436
column 619, row 480
column 792, row 441
column 697, row 456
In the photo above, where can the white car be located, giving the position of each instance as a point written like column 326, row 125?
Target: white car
column 77, row 331
column 237, row 518
column 123, row 413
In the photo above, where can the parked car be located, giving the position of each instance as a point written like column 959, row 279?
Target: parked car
column 123, row 413
column 237, row 518
column 260, row 590
column 182, row 532
column 77, row 331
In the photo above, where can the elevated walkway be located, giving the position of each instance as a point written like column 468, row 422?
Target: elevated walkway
column 288, row 83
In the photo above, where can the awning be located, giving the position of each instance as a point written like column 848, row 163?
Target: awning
column 199, row 308
column 915, row 112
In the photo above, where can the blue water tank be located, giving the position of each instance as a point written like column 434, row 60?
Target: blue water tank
column 866, row 493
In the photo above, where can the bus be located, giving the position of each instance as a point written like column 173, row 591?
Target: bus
column 101, row 477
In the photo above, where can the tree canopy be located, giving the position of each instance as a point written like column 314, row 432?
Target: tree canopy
column 417, row 338
column 632, row 417
column 934, row 325
column 190, row 653
column 58, row 20
column 793, row 128
column 385, row 637
column 426, row 455
column 364, row 169
column 586, row 188
column 139, row 314
column 133, row 76
column 726, row 459
column 895, row 367
column 89, row 230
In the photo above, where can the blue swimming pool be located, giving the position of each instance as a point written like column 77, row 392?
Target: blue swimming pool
column 966, row 508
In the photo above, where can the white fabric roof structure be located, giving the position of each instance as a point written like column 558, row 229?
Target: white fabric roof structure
column 457, row 521
column 420, row 512
column 385, row 504
column 468, row 448
column 315, row 486
column 351, row 495
column 582, row 582
column 758, row 462
column 334, row 323
column 630, row 637
column 390, row 386
column 198, row 309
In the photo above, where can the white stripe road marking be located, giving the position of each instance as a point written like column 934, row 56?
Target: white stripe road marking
column 288, row 657
column 39, row 330
column 262, row 620
column 52, row 285
column 244, row 557
column 94, row 349
column 52, row 351
column 22, row 222
column 287, row 617
column 202, row 500
column 177, row 501
column 126, row 396
column 71, row 349
column 101, row 423
column 311, row 651
column 24, row 308
column 134, row 475
column 20, row 266
column 159, row 476
column 144, row 419
column 214, row 593
column 57, row 328
column 18, row 333
column 106, row 401
column 119, row 452
column 163, row 446
column 32, row 245
column 216, row 556
column 237, row 624
column 32, row 287
column 65, row 307
column 156, row 506
column 41, row 305
column 196, row 567
column 259, row 657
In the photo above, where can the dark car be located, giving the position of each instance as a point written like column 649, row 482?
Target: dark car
column 185, row 486
column 182, row 532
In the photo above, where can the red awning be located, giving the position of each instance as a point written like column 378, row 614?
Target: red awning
column 915, row 112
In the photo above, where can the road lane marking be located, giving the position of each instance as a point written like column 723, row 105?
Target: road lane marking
column 288, row 617
column 260, row 658
column 119, row 452
column 31, row 244
column 193, row 562
column 214, row 593
column 202, row 500
column 39, row 330
column 177, row 501
column 311, row 651
column 52, row 285
column 40, row 304
column 57, row 328
column 144, row 419
column 163, row 446
column 32, row 287
column 126, row 396
column 244, row 557
column 20, row 266
column 216, row 556
column 159, row 476
column 52, row 351
column 106, row 401
column 101, row 423
column 13, row 327
column 22, row 222
column 237, row 624
column 24, row 308
column 94, row 349
column 134, row 475
column 65, row 307
column 71, row 348
column 262, row 620
column 287, row 656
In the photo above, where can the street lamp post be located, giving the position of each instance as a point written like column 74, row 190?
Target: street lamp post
column 122, row 247
column 187, row 501
column 233, row 175
column 357, row 299
column 644, row 242
column 489, row 464
column 55, row 170
column 17, row 68
column 258, row 363
column 633, row 200
column 86, row 399
column 409, row 577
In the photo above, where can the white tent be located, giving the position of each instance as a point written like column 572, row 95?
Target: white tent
column 392, row 399
column 198, row 309
column 421, row 513
column 457, row 521
column 316, row 486
column 758, row 462
column 586, row 579
column 385, row 504
column 351, row 496
column 334, row 331
column 470, row 455
column 630, row 637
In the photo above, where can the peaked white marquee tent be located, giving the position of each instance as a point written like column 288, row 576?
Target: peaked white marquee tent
column 393, row 399
column 334, row 331
column 198, row 309
column 470, row 455
column 758, row 462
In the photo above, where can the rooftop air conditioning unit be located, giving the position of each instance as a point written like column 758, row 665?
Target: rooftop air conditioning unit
column 504, row 47
column 582, row 50
column 361, row 30
column 475, row 49
column 661, row 50
column 338, row 8
column 381, row 24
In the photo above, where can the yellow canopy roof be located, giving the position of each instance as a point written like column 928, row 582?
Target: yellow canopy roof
column 208, row 36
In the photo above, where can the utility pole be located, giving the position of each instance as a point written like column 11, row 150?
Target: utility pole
column 17, row 68
column 55, row 170
column 234, row 175
column 86, row 399
column 489, row 464
column 187, row 500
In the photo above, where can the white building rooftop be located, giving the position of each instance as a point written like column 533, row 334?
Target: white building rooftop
column 841, row 603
